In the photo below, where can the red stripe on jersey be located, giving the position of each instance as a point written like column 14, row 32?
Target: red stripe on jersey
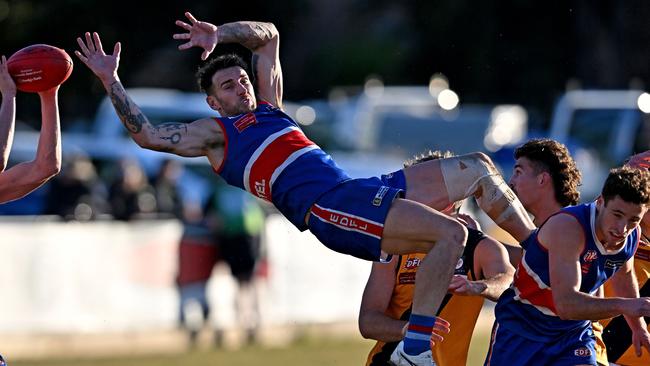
column 348, row 222
column 272, row 158
column 225, row 146
column 530, row 290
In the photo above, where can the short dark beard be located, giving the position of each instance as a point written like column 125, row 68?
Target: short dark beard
column 239, row 111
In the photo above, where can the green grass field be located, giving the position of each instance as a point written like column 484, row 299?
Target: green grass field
column 346, row 351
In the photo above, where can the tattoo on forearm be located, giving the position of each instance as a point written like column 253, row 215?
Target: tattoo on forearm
column 132, row 121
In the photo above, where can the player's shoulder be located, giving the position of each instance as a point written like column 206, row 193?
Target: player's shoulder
column 207, row 125
column 562, row 220
column 561, row 229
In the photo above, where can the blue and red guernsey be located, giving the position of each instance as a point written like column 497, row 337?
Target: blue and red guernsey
column 267, row 154
column 527, row 307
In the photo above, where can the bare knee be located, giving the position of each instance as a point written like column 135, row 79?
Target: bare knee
column 459, row 234
column 484, row 160
column 454, row 236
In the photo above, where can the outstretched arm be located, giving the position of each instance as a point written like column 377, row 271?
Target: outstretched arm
column 23, row 178
column 7, row 113
column 261, row 38
column 191, row 139
column 492, row 266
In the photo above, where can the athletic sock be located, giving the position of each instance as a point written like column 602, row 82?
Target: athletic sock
column 418, row 334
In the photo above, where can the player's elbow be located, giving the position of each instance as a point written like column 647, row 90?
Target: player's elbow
column 564, row 310
column 48, row 168
column 365, row 333
column 145, row 142
column 364, row 328
column 48, row 172
column 53, row 170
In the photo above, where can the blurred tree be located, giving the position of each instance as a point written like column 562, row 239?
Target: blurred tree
column 491, row 51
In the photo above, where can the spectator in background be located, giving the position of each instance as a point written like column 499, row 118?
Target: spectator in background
column 77, row 193
column 230, row 231
column 197, row 255
column 168, row 199
column 130, row 195
column 236, row 220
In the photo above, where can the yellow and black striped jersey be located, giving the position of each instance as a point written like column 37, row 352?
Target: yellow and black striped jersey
column 460, row 311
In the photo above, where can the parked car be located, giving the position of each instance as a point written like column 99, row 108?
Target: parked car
column 602, row 128
column 407, row 120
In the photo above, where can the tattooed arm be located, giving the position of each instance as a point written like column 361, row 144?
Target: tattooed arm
column 184, row 139
column 261, row 38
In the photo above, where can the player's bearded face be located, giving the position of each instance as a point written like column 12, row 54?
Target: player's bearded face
column 233, row 92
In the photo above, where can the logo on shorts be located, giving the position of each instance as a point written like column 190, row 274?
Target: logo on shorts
column 582, row 352
column 379, row 197
column 350, row 222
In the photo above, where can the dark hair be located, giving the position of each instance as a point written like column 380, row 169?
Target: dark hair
column 550, row 156
column 428, row 155
column 206, row 71
column 631, row 184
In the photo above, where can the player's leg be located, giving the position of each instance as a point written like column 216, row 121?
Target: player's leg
column 436, row 183
column 510, row 349
column 413, row 227
column 245, row 253
column 576, row 347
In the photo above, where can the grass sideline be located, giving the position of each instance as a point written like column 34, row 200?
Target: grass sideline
column 316, row 351
column 340, row 346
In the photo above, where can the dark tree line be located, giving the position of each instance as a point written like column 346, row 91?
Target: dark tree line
column 491, row 51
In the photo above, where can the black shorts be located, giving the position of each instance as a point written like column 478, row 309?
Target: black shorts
column 241, row 252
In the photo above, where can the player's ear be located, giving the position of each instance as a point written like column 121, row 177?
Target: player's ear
column 213, row 103
column 544, row 178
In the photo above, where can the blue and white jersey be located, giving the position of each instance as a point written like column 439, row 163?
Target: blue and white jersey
column 527, row 307
column 267, row 154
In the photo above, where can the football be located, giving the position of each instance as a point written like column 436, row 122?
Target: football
column 39, row 67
